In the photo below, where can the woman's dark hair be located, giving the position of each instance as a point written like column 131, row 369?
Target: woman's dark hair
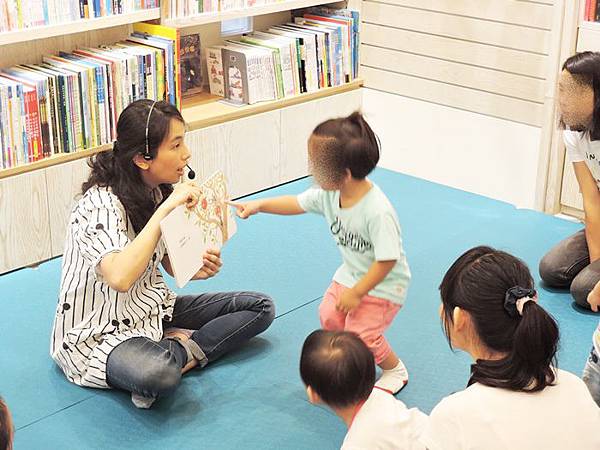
column 585, row 68
column 477, row 283
column 116, row 169
column 338, row 366
column 352, row 145
column 6, row 427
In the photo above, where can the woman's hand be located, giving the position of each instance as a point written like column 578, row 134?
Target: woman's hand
column 245, row 210
column 212, row 265
column 184, row 194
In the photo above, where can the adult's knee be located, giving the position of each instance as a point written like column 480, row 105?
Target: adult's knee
column 158, row 380
column 581, row 286
column 552, row 271
column 266, row 305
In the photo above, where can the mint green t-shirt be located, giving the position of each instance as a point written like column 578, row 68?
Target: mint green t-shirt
column 367, row 232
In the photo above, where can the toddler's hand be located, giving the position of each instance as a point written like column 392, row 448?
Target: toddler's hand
column 348, row 301
column 245, row 210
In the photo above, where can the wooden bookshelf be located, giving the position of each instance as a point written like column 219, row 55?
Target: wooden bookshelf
column 52, row 161
column 205, row 18
column 212, row 113
column 83, row 25
column 201, row 111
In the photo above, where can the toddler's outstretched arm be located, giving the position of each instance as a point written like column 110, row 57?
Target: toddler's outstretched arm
column 286, row 205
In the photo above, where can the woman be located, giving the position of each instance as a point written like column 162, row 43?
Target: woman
column 515, row 398
column 117, row 324
column 575, row 262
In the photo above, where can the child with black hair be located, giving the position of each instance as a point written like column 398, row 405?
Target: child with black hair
column 338, row 370
column 369, row 288
column 516, row 398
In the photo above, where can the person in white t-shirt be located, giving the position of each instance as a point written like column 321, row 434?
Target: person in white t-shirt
column 338, row 370
column 575, row 262
column 516, row 397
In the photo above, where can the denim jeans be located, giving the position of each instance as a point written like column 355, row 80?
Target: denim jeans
column 591, row 375
column 567, row 265
column 222, row 322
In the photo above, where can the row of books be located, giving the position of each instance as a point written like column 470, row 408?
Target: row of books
column 184, row 8
column 319, row 49
column 21, row 14
column 592, row 11
column 71, row 101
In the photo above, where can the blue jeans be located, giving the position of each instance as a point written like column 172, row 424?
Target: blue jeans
column 223, row 322
column 591, row 375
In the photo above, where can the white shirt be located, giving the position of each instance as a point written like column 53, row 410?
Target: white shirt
column 384, row 423
column 560, row 417
column 92, row 318
column 580, row 148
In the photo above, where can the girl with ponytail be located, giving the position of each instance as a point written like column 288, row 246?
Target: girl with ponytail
column 516, row 397
column 370, row 286
column 117, row 324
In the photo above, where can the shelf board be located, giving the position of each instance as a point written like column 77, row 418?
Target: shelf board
column 210, row 113
column 30, row 34
column 204, row 18
column 52, row 161
column 595, row 26
column 201, row 111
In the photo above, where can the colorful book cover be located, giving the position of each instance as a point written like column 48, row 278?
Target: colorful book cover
column 214, row 65
column 190, row 65
column 235, row 71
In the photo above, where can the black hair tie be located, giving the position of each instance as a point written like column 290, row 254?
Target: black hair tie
column 515, row 298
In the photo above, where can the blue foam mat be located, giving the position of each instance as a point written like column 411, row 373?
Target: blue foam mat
column 254, row 398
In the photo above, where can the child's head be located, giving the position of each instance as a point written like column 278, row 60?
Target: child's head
column 489, row 308
column 6, row 427
column 579, row 93
column 342, row 148
column 337, row 368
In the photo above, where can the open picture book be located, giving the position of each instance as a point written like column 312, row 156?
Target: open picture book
column 188, row 233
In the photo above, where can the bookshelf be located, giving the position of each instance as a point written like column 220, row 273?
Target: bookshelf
column 79, row 26
column 258, row 146
column 206, row 18
column 202, row 111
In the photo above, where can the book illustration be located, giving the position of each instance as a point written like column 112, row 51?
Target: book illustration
column 214, row 64
column 236, row 89
column 189, row 233
column 212, row 215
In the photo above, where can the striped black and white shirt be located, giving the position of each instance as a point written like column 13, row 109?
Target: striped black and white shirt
column 91, row 317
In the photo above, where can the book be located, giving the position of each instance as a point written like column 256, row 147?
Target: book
column 214, row 68
column 190, row 63
column 160, row 32
column 188, row 233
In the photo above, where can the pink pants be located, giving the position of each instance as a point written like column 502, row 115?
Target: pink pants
column 369, row 319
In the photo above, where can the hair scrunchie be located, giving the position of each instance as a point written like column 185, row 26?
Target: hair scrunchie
column 515, row 299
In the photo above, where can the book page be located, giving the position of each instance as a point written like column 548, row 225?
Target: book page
column 188, row 233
